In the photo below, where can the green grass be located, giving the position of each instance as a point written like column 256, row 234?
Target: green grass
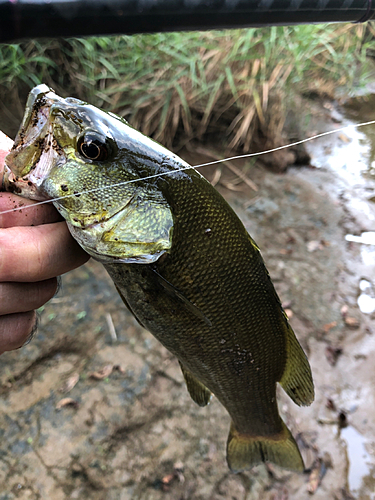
column 182, row 86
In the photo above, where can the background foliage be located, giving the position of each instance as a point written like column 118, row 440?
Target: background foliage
column 241, row 84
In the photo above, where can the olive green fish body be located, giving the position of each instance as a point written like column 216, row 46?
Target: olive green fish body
column 210, row 302
column 181, row 260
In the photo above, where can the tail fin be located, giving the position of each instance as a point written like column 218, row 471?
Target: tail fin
column 244, row 451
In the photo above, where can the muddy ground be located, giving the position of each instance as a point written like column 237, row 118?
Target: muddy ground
column 129, row 429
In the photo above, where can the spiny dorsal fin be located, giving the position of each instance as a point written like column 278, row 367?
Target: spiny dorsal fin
column 198, row 392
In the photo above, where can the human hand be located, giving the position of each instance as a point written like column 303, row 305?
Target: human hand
column 35, row 248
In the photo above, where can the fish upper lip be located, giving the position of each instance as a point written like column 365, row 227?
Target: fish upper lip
column 26, row 164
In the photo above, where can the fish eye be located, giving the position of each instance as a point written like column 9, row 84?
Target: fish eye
column 93, row 147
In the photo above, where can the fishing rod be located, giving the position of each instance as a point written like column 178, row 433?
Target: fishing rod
column 21, row 19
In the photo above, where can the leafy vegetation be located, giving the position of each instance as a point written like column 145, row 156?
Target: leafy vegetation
column 180, row 86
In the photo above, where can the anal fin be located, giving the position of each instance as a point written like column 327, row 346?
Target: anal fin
column 198, row 392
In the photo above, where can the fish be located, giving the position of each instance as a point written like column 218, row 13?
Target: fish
column 181, row 260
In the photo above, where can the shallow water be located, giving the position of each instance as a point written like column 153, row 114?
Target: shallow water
column 359, row 458
column 360, row 109
column 352, row 159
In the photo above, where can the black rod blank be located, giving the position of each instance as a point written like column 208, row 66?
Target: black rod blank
column 52, row 18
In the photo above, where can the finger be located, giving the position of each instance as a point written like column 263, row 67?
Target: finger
column 5, row 145
column 38, row 253
column 15, row 330
column 23, row 297
column 25, row 213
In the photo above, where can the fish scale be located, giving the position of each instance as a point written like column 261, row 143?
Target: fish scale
column 181, row 260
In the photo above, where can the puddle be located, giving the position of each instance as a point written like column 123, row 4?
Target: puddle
column 366, row 300
column 367, row 238
column 368, row 255
column 362, row 109
column 367, row 242
column 349, row 156
column 358, row 457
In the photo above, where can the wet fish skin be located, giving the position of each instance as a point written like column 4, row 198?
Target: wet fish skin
column 181, row 260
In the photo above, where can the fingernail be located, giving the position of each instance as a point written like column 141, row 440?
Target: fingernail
column 59, row 285
column 32, row 333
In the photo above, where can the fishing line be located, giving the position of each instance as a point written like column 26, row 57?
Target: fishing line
column 215, row 162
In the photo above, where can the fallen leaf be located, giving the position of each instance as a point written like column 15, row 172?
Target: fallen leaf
column 328, row 326
column 352, row 322
column 102, row 373
column 314, row 480
column 69, row 384
column 344, row 138
column 319, row 470
column 67, row 402
column 168, row 479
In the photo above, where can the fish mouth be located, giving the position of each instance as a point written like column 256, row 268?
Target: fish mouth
column 35, row 150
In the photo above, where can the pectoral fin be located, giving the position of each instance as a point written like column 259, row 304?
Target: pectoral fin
column 198, row 392
column 172, row 290
column 129, row 308
column 297, row 379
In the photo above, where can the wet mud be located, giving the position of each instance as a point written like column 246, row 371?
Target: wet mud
column 95, row 408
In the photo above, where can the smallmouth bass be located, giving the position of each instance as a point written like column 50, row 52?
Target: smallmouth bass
column 180, row 258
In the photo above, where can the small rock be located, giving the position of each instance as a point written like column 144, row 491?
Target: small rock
column 336, row 117
column 289, row 313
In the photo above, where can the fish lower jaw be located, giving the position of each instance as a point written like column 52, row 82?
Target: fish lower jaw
column 21, row 186
column 92, row 243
